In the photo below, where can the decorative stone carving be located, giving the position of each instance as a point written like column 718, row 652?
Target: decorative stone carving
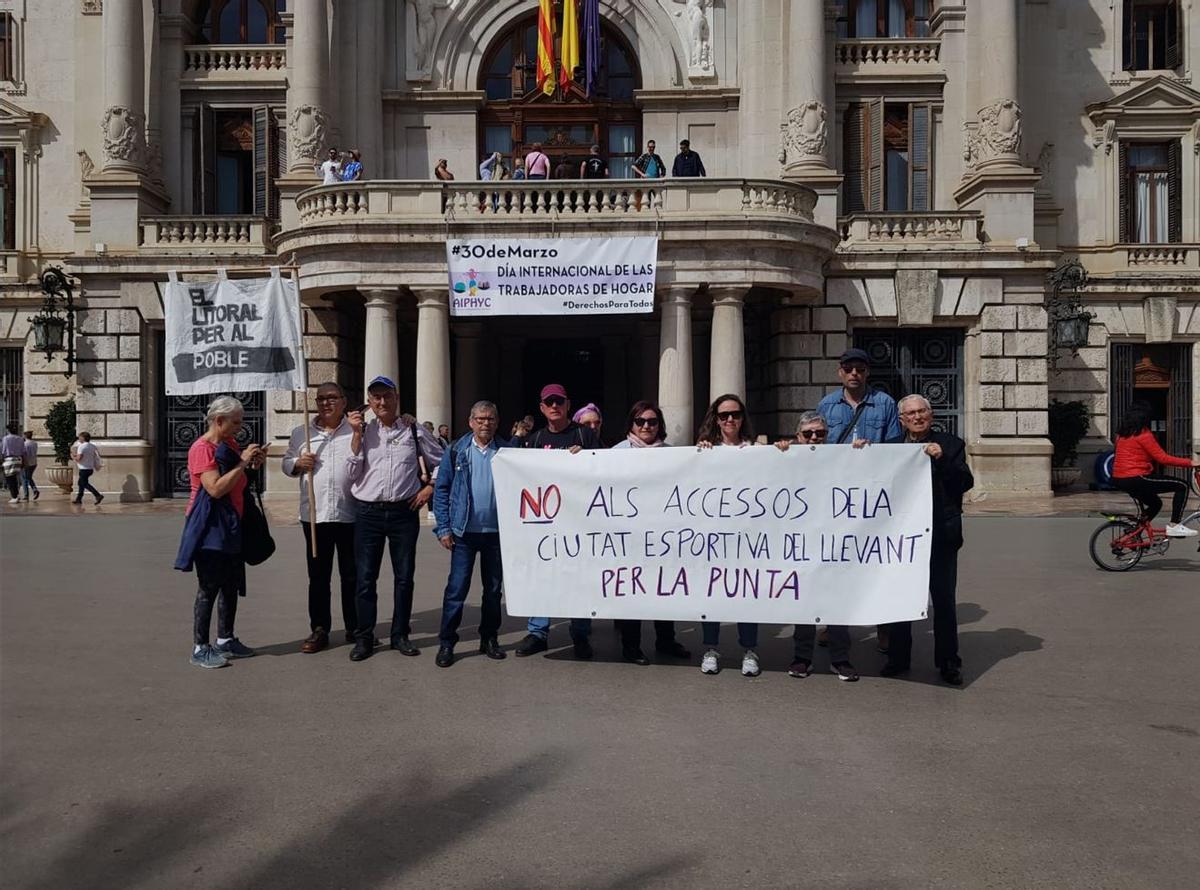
column 999, row 130
column 308, row 126
column 154, row 155
column 1105, row 136
column 92, row 7
column 124, row 135
column 803, row 132
column 423, row 36
column 86, row 167
column 697, row 34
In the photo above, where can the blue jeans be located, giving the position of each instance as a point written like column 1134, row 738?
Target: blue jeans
column 462, row 566
column 581, row 628
column 85, row 485
column 747, row 634
column 396, row 525
column 27, row 480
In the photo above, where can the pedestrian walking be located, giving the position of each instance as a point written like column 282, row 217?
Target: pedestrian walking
column 212, row 533
column 687, row 162
column 353, row 171
column 389, row 467
column 468, row 526
column 727, row 424
column 30, row 466
column 87, row 459
column 12, row 451
column 329, row 435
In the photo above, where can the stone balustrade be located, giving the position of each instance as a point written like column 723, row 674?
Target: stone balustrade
column 235, row 62
column 1138, row 261
column 941, row 229
column 207, row 234
column 1162, row 256
column 874, row 52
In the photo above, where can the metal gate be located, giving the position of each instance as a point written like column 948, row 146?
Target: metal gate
column 183, row 423
column 1174, row 428
column 925, row 362
column 12, row 385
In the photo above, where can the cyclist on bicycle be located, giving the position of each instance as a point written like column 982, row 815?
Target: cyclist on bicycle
column 1133, row 470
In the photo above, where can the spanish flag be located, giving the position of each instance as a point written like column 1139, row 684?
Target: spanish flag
column 570, row 44
column 545, row 63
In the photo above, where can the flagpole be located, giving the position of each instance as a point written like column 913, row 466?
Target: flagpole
column 312, row 493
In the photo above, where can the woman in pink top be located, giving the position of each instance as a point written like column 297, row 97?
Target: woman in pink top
column 537, row 165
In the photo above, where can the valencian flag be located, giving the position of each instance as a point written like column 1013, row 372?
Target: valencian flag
column 591, row 34
column 545, row 49
column 570, row 44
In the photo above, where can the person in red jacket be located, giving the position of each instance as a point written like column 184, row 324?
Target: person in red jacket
column 1133, row 470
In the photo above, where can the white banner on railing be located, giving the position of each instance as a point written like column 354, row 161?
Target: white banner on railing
column 829, row 534
column 552, row 276
column 232, row 336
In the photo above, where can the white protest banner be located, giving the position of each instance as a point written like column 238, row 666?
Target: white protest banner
column 818, row 535
column 233, row 336
column 552, row 276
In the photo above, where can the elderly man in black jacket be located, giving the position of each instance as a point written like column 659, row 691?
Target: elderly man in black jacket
column 951, row 479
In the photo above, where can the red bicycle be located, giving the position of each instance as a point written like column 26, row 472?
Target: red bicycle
column 1121, row 542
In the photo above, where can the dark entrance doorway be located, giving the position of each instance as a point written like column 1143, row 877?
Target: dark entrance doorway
column 919, row 362
column 1161, row 375
column 578, row 364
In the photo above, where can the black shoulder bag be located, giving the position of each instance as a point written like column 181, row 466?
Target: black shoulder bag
column 849, row 430
column 257, row 543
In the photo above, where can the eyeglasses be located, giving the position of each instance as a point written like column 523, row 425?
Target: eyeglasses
column 320, row 399
column 554, row 402
column 483, row 419
column 725, row 416
column 645, row 421
column 813, row 434
column 915, row 412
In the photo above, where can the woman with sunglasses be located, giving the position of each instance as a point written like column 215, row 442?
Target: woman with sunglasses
column 646, row 428
column 727, row 424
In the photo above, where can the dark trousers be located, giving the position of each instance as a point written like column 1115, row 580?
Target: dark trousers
column 631, row 632
column 13, row 482
column 943, row 581
column 331, row 537
column 1147, row 489
column 395, row 525
column 27, row 480
column 84, row 485
column 219, row 576
column 804, row 637
column 710, row 632
column 462, row 566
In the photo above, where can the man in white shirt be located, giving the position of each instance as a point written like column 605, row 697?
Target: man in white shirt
column 331, row 170
column 87, row 458
column 330, row 438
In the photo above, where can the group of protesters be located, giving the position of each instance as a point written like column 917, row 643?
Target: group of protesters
column 369, row 479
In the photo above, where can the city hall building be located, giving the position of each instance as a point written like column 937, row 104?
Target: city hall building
column 900, row 175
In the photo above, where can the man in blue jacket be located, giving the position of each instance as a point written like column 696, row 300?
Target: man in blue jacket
column 464, row 503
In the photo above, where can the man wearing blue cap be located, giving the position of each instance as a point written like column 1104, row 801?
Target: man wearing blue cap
column 389, row 465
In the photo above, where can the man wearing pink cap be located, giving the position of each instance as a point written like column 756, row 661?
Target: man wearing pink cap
column 559, row 432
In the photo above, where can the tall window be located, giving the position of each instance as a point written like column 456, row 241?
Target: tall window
column 239, row 157
column 1151, row 39
column 12, row 384
column 8, row 34
column 242, row 21
column 1150, row 193
column 887, row 153
column 896, row 19
column 8, row 197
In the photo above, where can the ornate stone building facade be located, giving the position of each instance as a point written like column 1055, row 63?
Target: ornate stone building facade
column 897, row 174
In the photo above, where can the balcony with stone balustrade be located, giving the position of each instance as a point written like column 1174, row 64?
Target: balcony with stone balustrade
column 880, row 59
column 234, row 65
column 206, row 235
column 911, row 230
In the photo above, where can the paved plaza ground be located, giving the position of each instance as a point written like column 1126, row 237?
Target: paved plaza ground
column 1071, row 757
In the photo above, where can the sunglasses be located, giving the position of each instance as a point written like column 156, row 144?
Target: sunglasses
column 813, row 434
column 854, row 369
column 729, row 415
column 645, row 421
column 554, row 402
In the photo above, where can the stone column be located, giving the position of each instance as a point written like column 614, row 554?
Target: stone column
column 308, row 123
column 381, row 349
column 760, row 36
column 433, row 356
column 997, row 140
column 727, row 362
column 675, row 371
column 368, row 134
column 804, row 142
column 124, row 121
column 172, row 31
column 469, row 388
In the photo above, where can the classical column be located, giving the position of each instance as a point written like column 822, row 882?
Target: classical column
column 433, row 356
column 381, row 349
column 170, row 123
column 727, row 363
column 763, row 98
column 368, row 91
column 997, row 140
column 804, row 142
column 308, row 67
column 124, row 121
column 675, row 394
column 469, row 388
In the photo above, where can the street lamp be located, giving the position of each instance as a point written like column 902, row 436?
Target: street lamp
column 1069, row 321
column 54, row 327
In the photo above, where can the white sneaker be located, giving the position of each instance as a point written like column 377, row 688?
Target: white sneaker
column 750, row 666
column 1180, row 531
column 15, row 501
column 711, row 662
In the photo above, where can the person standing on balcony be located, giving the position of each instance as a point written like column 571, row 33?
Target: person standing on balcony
column 537, row 165
column 331, row 169
column 490, row 168
column 442, row 171
column 518, row 168
column 649, row 165
column 687, row 162
column 594, row 166
column 564, row 169
column 352, row 172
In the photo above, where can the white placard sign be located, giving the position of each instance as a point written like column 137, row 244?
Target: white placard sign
column 552, row 276
column 826, row 534
column 232, row 336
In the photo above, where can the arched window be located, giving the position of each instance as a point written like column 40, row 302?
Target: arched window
column 241, row 21
column 517, row 114
column 872, row 19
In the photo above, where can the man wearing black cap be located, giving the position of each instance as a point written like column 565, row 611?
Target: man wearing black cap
column 559, row 432
column 856, row 412
column 390, row 468
column 687, row 162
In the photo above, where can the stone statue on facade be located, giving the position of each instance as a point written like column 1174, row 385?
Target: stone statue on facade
column 424, row 36
column 698, row 34
column 124, row 135
column 308, row 127
column 803, row 133
column 86, row 168
column 998, row 133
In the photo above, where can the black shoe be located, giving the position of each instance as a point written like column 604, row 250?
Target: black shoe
column 952, row 675
column 491, row 648
column 893, row 670
column 350, row 636
column 363, row 649
column 445, row 656
column 673, row 649
column 99, row 498
column 634, row 656
column 77, row 501
column 583, row 649
column 36, row 495
column 404, row 646
column 531, row 645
